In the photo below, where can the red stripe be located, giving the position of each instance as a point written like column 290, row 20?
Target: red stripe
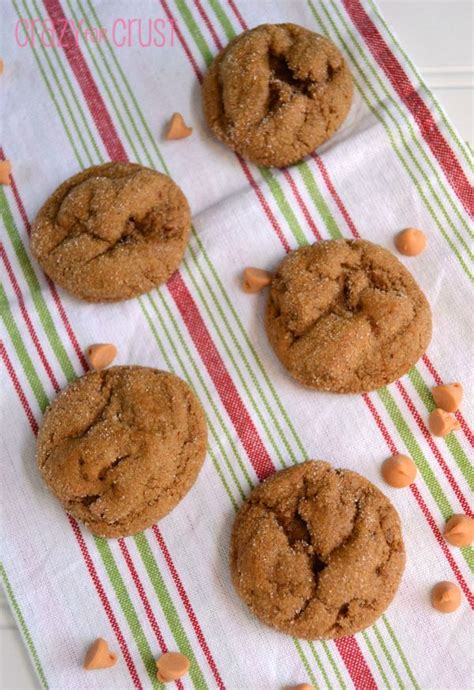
column 413, row 101
column 424, row 508
column 52, row 287
column 335, row 195
column 366, row 398
column 77, row 532
column 112, row 143
column 84, row 78
column 360, row 673
column 434, row 449
column 238, row 16
column 301, row 204
column 145, row 601
column 188, row 607
column 345, row 214
column 18, row 388
column 27, row 319
column 348, row 648
column 228, row 393
column 438, row 380
column 208, row 23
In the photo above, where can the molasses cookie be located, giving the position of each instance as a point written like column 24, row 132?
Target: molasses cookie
column 112, row 232
column 346, row 316
column 121, row 447
column 316, row 552
column 276, row 93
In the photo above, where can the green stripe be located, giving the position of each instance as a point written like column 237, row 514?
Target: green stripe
column 210, row 267
column 111, row 568
column 210, row 312
column 414, row 137
column 77, row 108
column 400, row 651
column 334, row 666
column 35, row 289
column 462, row 147
column 102, row 546
column 421, row 463
column 376, row 659
column 28, row 368
column 376, row 114
column 168, row 609
column 128, row 609
column 24, row 628
column 304, row 661
column 194, row 31
column 282, row 203
column 388, row 656
column 51, row 90
column 184, row 371
column 451, row 441
column 318, row 200
column 327, row 682
column 223, row 19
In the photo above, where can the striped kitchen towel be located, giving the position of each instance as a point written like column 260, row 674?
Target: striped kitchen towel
column 88, row 81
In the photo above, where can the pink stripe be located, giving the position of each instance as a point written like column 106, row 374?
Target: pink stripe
column 77, row 533
column 145, row 601
column 27, row 319
column 415, row 104
column 188, row 607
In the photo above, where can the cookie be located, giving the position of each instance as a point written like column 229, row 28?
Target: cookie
column 121, row 447
column 317, row 553
column 346, row 316
column 276, row 93
column 112, row 232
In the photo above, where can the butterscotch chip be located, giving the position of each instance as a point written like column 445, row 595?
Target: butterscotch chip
column 276, row 93
column 345, row 316
column 301, row 686
column 446, row 597
column 121, row 447
column 112, row 232
column 316, row 552
column 99, row 656
column 101, row 355
column 410, row 242
column 448, row 396
column 255, row 279
column 399, row 471
column 441, row 423
column 5, row 169
column 177, row 128
column 172, row 666
column 459, row 530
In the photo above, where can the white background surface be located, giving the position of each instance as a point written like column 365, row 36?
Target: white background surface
column 438, row 37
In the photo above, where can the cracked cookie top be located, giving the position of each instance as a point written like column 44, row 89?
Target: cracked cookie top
column 112, row 232
column 346, row 316
column 121, row 447
column 276, row 93
column 316, row 552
